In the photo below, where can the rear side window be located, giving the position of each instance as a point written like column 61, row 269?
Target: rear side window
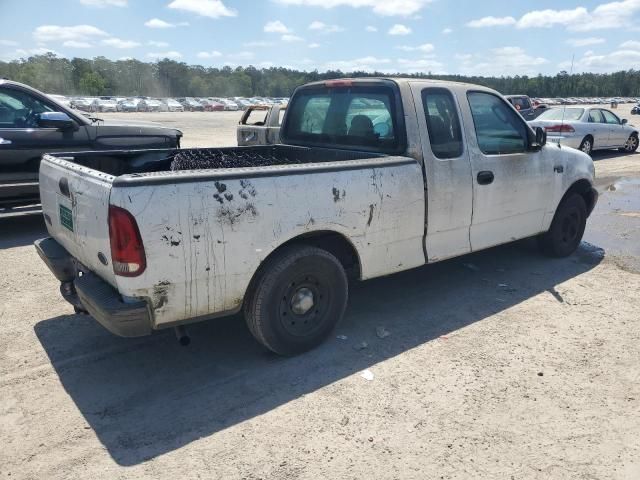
column 595, row 116
column 521, row 103
column 358, row 116
column 499, row 130
column 443, row 123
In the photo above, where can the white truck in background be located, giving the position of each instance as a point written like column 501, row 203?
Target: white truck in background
column 373, row 176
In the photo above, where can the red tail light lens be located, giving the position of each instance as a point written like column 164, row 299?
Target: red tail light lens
column 127, row 251
column 561, row 128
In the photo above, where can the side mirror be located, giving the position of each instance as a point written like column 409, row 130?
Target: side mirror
column 541, row 139
column 624, row 121
column 59, row 120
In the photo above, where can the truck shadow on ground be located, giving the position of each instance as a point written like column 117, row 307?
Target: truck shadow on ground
column 149, row 396
column 21, row 231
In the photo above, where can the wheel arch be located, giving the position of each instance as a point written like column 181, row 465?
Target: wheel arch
column 584, row 188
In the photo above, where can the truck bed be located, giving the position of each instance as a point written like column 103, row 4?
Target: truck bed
column 122, row 162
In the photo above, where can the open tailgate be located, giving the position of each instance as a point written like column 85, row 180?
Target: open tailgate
column 75, row 204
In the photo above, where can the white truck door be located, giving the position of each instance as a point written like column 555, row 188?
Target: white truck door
column 448, row 172
column 511, row 185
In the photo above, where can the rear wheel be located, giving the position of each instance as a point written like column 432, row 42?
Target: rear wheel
column 587, row 145
column 567, row 228
column 297, row 299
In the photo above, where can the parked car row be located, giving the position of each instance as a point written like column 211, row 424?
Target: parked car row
column 585, row 100
column 182, row 104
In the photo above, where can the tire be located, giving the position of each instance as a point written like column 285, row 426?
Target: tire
column 587, row 145
column 313, row 277
column 567, row 228
column 632, row 144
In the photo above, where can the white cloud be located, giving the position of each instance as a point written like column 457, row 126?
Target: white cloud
column 291, row 38
column 276, row 26
column 447, row 31
column 153, row 43
column 501, row 61
column 314, row 45
column 76, row 44
column 631, row 45
column 104, row 3
column 157, row 23
column 611, row 15
column 585, row 42
column 160, row 55
column 258, row 44
column 23, row 53
column 399, row 29
column 369, row 63
column 125, row 59
column 371, row 28
column 8, row 43
column 57, row 33
column 324, row 28
column 119, row 43
column 205, row 8
column 211, row 54
column 623, row 59
column 403, row 8
column 491, row 22
column 425, row 48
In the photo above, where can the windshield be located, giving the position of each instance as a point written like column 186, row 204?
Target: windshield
column 560, row 113
column 359, row 116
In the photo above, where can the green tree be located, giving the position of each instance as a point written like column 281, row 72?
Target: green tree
column 92, row 84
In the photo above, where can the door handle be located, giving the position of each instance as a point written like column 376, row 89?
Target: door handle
column 558, row 169
column 5, row 142
column 485, row 177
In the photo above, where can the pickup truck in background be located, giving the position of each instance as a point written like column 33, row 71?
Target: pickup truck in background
column 32, row 123
column 260, row 125
column 373, row 176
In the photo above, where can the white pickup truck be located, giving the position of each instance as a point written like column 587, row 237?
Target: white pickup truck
column 373, row 176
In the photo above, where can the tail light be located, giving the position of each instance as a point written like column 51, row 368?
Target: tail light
column 561, row 128
column 127, row 251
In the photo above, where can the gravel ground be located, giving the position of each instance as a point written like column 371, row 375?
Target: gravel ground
column 498, row 365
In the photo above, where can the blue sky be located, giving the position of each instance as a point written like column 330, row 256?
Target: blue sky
column 486, row 37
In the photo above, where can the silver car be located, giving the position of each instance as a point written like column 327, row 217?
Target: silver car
column 587, row 129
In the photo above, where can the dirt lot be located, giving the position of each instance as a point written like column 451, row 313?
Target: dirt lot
column 499, row 365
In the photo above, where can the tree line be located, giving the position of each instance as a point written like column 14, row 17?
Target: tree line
column 169, row 78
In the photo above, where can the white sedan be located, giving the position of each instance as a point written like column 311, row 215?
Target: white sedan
column 587, row 129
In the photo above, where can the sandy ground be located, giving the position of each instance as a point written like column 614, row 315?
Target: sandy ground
column 499, row 365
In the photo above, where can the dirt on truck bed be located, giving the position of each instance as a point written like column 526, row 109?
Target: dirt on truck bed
column 497, row 365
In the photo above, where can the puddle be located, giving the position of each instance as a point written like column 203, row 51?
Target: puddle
column 615, row 223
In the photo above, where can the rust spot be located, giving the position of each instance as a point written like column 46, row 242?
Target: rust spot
column 196, row 237
column 221, row 187
column 228, row 196
column 218, row 198
column 231, row 216
column 160, row 294
column 337, row 195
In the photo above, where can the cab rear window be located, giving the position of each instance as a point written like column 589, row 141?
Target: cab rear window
column 362, row 117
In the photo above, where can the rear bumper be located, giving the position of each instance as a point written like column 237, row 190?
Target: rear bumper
column 101, row 300
column 567, row 141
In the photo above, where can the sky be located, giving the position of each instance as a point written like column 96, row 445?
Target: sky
column 469, row 37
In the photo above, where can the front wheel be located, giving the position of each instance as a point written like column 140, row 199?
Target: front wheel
column 631, row 145
column 567, row 228
column 296, row 300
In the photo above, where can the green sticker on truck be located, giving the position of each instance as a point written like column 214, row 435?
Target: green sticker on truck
column 66, row 217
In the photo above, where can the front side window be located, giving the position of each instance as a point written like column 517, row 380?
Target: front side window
column 443, row 123
column 521, row 103
column 357, row 116
column 499, row 130
column 610, row 118
column 19, row 109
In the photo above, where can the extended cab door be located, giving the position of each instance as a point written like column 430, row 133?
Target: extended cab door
column 511, row 184
column 447, row 172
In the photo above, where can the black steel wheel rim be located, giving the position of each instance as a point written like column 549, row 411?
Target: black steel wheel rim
column 570, row 227
column 303, row 318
